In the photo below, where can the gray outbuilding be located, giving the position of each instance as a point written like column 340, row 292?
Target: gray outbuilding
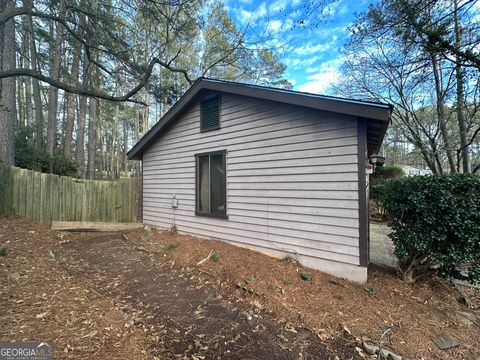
column 278, row 171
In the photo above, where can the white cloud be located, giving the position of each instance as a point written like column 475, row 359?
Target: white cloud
column 288, row 23
column 343, row 10
column 315, row 48
column 277, row 5
column 322, row 77
column 301, row 63
column 335, row 8
column 475, row 12
column 324, row 32
column 321, row 83
column 244, row 16
column 311, row 48
column 275, row 25
column 262, row 10
column 292, row 62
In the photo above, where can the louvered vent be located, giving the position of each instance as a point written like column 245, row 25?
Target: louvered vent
column 210, row 119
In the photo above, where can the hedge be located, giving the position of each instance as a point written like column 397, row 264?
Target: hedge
column 382, row 174
column 436, row 225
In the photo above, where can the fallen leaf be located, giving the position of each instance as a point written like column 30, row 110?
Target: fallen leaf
column 91, row 334
column 42, row 315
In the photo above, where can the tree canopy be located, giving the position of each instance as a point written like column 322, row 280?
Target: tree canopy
column 97, row 73
column 421, row 56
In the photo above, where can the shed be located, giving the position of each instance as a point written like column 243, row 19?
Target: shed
column 278, row 171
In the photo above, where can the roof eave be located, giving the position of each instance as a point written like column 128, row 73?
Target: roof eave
column 372, row 111
column 338, row 105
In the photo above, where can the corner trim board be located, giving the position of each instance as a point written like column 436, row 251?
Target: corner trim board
column 362, row 194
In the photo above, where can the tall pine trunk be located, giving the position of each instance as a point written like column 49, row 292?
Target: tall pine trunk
column 81, row 122
column 92, row 138
column 92, row 129
column 115, row 153
column 7, row 87
column 462, row 125
column 27, row 81
column 37, row 96
column 56, row 53
column 72, row 98
column 125, row 146
column 80, row 137
column 21, row 108
column 28, row 103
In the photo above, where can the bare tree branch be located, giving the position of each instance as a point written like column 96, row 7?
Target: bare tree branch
column 95, row 93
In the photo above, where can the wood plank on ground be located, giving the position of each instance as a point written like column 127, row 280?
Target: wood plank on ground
column 93, row 226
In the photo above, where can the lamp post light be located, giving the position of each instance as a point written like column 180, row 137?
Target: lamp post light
column 377, row 160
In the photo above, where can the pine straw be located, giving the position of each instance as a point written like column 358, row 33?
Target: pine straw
column 386, row 310
column 40, row 301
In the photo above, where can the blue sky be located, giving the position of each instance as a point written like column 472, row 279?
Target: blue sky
column 311, row 54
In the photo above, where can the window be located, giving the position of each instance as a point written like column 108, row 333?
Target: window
column 210, row 114
column 211, row 199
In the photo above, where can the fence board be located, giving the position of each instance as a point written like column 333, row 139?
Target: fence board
column 47, row 197
column 3, row 185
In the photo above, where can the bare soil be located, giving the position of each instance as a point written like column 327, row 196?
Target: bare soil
column 142, row 295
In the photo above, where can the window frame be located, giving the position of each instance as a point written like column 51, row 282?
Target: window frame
column 202, row 130
column 197, row 183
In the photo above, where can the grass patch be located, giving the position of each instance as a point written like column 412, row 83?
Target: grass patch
column 162, row 247
column 306, row 276
column 216, row 256
column 249, row 278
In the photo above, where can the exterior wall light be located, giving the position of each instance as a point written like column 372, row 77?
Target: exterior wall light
column 377, row 160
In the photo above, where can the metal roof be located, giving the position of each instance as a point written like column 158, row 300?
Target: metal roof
column 376, row 114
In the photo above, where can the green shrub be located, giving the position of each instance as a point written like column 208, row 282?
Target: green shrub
column 378, row 178
column 377, row 184
column 29, row 156
column 436, row 225
column 388, row 172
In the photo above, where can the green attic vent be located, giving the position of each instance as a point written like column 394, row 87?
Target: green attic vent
column 210, row 114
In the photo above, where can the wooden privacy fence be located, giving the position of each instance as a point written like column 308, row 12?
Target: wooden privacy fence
column 47, row 197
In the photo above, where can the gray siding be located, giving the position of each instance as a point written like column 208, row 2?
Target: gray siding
column 292, row 180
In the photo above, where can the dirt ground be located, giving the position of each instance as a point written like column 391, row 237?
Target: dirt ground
column 144, row 295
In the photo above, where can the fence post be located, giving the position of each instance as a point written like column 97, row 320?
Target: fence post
column 138, row 190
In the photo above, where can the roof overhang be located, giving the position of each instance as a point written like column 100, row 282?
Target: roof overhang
column 377, row 115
